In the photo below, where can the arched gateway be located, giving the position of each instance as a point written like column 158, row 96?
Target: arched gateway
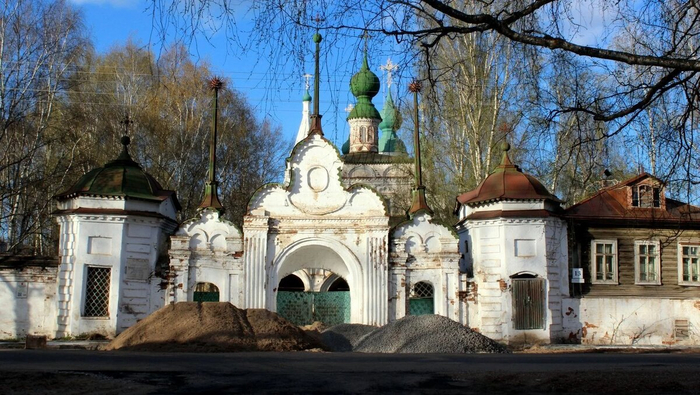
column 329, row 260
column 313, row 222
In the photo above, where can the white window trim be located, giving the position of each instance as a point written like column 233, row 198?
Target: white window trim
column 655, row 243
column 594, row 270
column 680, row 265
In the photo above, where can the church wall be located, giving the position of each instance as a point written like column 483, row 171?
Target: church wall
column 28, row 297
column 506, row 248
column 207, row 249
column 422, row 251
column 129, row 248
column 393, row 180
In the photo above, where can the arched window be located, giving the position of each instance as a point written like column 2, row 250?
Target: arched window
column 363, row 134
column 205, row 292
column 291, row 283
column 420, row 300
column 339, row 285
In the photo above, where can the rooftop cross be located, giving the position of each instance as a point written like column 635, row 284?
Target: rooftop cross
column 389, row 67
column 307, row 77
column 349, row 107
column 126, row 122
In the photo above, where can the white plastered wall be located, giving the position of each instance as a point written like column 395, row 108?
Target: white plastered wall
column 28, row 297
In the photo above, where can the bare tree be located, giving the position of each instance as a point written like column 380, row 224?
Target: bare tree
column 40, row 41
column 168, row 105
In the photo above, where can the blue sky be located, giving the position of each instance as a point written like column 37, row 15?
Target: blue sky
column 112, row 22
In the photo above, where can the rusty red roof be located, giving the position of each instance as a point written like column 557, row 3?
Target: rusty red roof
column 507, row 181
column 611, row 204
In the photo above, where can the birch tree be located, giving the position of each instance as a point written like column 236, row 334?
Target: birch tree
column 40, row 42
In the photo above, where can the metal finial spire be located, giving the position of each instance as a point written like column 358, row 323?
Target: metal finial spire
column 419, row 200
column 316, row 117
column 307, row 77
column 211, row 196
column 365, row 36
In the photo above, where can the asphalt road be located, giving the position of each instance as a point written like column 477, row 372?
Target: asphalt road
column 95, row 372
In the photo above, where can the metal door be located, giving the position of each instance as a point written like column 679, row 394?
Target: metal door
column 304, row 308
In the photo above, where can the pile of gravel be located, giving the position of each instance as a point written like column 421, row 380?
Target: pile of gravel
column 344, row 337
column 427, row 334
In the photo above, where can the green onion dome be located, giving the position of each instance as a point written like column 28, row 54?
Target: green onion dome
column 364, row 86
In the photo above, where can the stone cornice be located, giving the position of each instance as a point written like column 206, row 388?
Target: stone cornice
column 510, row 221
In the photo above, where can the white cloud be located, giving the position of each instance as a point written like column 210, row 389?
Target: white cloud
column 590, row 22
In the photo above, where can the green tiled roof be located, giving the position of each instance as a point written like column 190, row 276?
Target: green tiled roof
column 121, row 177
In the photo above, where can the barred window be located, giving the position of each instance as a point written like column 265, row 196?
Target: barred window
column 422, row 290
column 420, row 300
column 97, row 292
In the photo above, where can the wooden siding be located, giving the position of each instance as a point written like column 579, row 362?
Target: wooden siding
column 626, row 287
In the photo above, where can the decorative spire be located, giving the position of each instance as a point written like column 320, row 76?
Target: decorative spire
column 211, row 197
column 506, row 163
column 316, row 117
column 419, row 201
column 304, row 126
column 124, row 157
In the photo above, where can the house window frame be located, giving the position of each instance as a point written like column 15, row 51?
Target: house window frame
column 84, row 313
column 594, row 267
column 646, row 196
column 681, row 270
column 637, row 262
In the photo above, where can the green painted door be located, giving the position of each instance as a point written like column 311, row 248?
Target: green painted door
column 205, row 296
column 332, row 308
column 304, row 308
column 420, row 306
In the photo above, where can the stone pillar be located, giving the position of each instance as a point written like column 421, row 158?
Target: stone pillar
column 376, row 310
column 67, row 248
column 254, row 261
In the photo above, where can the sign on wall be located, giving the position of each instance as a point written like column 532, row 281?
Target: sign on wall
column 577, row 275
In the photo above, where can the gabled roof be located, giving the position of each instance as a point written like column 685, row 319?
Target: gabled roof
column 611, row 203
column 507, row 182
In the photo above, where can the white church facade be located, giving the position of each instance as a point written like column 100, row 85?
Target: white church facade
column 326, row 245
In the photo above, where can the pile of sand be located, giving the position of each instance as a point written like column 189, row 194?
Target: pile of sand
column 213, row 327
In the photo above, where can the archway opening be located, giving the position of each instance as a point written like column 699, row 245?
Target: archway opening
column 339, row 285
column 291, row 283
column 323, row 297
column 421, row 299
column 205, row 292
